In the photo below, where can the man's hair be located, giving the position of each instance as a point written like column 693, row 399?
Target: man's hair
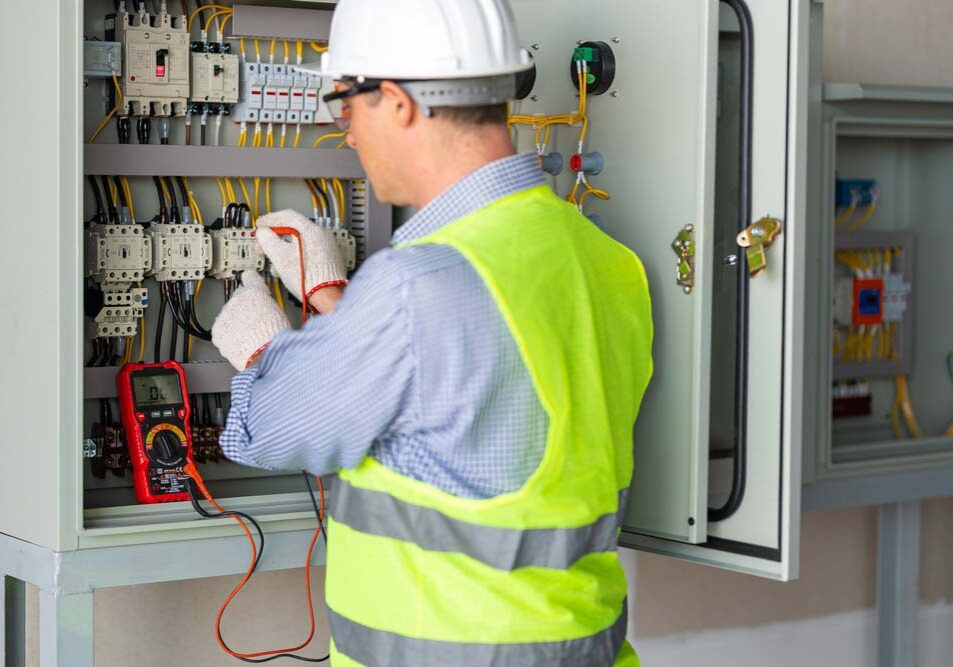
column 490, row 114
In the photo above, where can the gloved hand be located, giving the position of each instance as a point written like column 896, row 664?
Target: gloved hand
column 325, row 265
column 248, row 323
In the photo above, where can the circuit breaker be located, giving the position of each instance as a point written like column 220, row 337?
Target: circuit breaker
column 233, row 251
column 280, row 94
column 214, row 78
column 155, row 51
column 117, row 253
column 180, row 252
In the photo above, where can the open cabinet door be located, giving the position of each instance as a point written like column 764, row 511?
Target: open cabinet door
column 703, row 135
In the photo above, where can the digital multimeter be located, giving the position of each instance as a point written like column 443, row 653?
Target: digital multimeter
column 154, row 403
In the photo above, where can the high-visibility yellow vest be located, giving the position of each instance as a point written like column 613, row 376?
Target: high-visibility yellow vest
column 417, row 577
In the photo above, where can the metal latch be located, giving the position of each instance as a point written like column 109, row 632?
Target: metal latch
column 684, row 247
column 755, row 239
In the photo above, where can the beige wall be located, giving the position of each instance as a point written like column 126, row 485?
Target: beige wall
column 880, row 41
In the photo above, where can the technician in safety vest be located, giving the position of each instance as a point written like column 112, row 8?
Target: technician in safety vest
column 475, row 386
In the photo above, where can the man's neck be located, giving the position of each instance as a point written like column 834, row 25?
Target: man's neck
column 450, row 162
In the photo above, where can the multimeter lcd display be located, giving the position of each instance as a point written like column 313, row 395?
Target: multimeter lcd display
column 156, row 390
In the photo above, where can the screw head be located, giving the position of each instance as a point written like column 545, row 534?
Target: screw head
column 616, row 39
column 535, row 47
column 614, row 93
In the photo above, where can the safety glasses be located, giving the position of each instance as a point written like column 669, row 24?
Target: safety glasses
column 339, row 101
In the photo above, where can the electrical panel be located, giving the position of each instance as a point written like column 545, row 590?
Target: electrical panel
column 167, row 239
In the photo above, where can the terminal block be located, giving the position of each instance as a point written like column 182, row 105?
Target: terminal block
column 102, row 60
column 233, row 251
column 280, row 94
column 348, row 246
column 180, row 252
column 214, row 78
column 155, row 50
column 117, row 254
column 121, row 312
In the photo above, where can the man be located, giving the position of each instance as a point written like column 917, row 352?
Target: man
column 475, row 386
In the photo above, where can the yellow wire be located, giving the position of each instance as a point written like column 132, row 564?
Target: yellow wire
column 297, row 137
column 202, row 9
column 230, row 191
column 326, row 137
column 257, row 51
column 342, row 144
column 271, row 49
column 318, row 48
column 125, row 188
column 111, row 113
column 241, row 46
column 221, row 28
column 268, row 195
column 903, row 407
column 142, row 339
column 339, row 193
column 165, row 189
column 299, row 48
column 287, row 50
column 196, row 211
column 871, row 210
column 212, row 17
column 276, row 287
column 221, row 190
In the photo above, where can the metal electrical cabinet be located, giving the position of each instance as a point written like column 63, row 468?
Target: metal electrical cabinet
column 879, row 213
column 702, row 133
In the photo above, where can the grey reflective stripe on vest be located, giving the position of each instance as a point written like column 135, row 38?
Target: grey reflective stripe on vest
column 381, row 514
column 375, row 648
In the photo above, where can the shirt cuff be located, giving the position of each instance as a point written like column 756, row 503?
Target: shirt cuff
column 236, row 439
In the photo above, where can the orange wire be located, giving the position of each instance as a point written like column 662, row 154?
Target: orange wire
column 192, row 471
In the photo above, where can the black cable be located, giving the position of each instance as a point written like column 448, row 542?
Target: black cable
column 160, row 325
column 173, row 201
column 182, row 318
column 193, row 317
column 122, row 193
column 100, row 207
column 111, row 206
column 194, row 497
column 173, row 343
column 163, row 209
column 322, row 194
column 314, row 504
column 202, row 133
column 185, row 192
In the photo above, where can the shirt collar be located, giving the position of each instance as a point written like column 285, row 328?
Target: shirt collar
column 473, row 192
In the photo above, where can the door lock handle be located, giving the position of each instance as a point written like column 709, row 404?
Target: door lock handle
column 684, row 247
column 755, row 240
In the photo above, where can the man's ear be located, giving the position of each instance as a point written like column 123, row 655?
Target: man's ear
column 399, row 103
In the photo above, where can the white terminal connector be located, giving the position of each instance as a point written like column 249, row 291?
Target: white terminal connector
column 348, row 247
column 121, row 312
column 235, row 250
column 215, row 78
column 180, row 252
column 117, row 254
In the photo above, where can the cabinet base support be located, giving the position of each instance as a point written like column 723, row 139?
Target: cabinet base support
column 898, row 593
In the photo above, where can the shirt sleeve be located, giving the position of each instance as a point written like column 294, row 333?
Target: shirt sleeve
column 320, row 397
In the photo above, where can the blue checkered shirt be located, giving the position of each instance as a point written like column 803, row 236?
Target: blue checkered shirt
column 415, row 368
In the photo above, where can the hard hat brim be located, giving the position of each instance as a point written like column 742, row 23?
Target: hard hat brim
column 317, row 68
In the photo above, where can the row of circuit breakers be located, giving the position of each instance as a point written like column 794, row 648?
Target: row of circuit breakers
column 167, row 74
column 118, row 257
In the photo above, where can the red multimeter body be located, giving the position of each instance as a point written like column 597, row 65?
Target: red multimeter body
column 154, row 402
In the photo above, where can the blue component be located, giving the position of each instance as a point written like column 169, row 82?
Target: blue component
column 862, row 189
column 869, row 302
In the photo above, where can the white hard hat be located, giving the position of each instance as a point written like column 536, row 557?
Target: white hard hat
column 424, row 40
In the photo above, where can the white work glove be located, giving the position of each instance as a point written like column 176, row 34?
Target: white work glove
column 248, row 323
column 325, row 265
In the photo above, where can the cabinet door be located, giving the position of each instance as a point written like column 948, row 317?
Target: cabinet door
column 702, row 127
